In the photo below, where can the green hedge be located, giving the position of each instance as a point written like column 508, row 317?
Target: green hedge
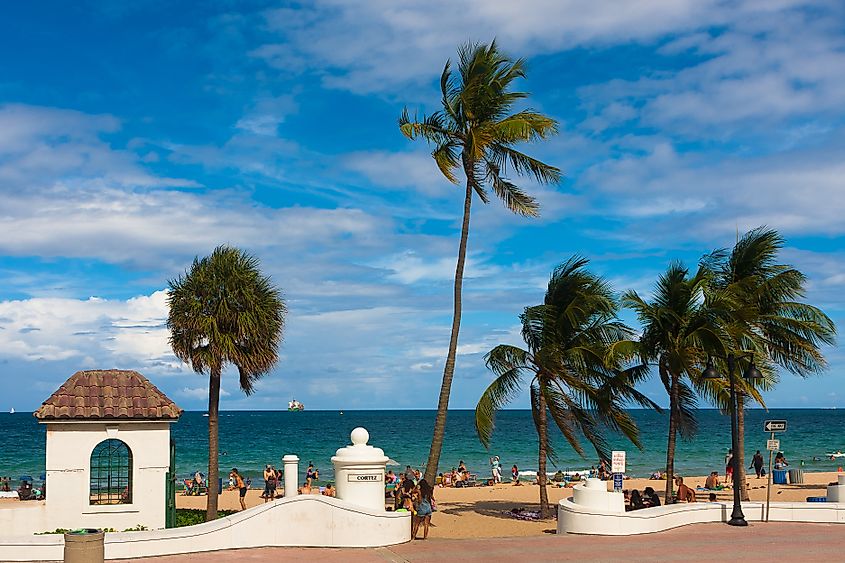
column 193, row 516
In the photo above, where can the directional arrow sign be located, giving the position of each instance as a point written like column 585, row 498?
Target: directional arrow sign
column 774, row 426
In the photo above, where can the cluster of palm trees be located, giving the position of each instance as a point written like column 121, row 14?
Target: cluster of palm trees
column 582, row 364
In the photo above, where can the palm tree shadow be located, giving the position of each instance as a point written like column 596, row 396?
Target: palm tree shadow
column 494, row 509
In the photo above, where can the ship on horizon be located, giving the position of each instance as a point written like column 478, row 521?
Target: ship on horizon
column 295, row 406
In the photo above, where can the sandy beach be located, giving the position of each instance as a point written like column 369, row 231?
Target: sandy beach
column 479, row 512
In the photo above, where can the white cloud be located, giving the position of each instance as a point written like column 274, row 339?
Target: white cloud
column 199, row 393
column 267, row 113
column 90, row 330
column 380, row 46
column 400, row 170
column 127, row 227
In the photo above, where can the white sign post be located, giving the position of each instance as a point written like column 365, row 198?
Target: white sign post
column 773, row 445
column 617, row 462
column 617, row 467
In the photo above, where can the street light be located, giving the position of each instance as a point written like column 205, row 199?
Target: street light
column 710, row 372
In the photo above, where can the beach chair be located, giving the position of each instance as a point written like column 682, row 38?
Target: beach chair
column 472, row 480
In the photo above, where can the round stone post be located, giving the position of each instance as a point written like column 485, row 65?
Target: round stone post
column 291, row 475
column 359, row 471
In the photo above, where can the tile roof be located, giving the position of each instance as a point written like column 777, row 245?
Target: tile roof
column 110, row 394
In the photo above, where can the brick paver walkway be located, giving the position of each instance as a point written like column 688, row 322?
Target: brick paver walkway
column 701, row 542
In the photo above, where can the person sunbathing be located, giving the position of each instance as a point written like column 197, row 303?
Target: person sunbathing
column 712, row 481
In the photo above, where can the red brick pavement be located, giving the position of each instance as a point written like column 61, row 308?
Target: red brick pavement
column 703, row 542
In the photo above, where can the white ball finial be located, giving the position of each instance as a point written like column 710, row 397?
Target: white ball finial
column 360, row 436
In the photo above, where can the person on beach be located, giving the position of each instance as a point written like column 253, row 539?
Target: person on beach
column 198, row 480
column 495, row 469
column 729, row 466
column 685, row 494
column 423, row 508
column 329, row 490
column 241, row 486
column 604, row 472
column 305, row 489
column 637, row 500
column 757, row 464
column 651, row 498
column 390, row 478
column 515, row 474
column 712, row 497
column 269, row 483
column 462, row 468
column 712, row 481
column 407, row 495
column 311, row 474
column 780, row 461
column 409, row 473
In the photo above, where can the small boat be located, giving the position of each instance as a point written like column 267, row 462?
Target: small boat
column 341, row 413
column 833, row 455
column 12, row 411
column 206, row 414
column 295, row 406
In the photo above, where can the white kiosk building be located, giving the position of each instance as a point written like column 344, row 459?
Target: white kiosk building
column 108, row 452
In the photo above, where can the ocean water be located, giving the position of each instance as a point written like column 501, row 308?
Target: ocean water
column 251, row 439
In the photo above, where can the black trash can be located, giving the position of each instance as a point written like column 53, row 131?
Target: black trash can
column 84, row 546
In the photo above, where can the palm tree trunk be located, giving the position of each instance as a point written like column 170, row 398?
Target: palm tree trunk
column 449, row 369
column 213, row 445
column 673, row 435
column 543, row 439
column 740, row 453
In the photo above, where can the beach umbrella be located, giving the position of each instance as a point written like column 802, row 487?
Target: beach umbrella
column 391, row 461
column 43, row 477
column 26, row 478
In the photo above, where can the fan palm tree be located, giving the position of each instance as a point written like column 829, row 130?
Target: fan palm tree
column 767, row 317
column 680, row 329
column 476, row 132
column 572, row 365
column 224, row 311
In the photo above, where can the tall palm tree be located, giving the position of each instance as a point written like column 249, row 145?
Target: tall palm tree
column 680, row 329
column 476, row 132
column 767, row 316
column 572, row 364
column 225, row 311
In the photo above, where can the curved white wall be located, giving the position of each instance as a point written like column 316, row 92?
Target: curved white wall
column 302, row 521
column 575, row 519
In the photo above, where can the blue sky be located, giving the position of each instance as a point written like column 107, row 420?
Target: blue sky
column 134, row 137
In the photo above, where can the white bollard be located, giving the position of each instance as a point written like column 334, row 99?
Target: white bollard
column 359, row 472
column 291, row 475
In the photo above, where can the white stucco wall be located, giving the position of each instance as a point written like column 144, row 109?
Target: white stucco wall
column 69, row 447
column 22, row 518
column 575, row 519
column 302, row 521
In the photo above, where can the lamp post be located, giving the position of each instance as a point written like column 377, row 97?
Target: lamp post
column 710, row 372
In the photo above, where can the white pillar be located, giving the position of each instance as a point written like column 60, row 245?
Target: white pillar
column 291, row 475
column 359, row 472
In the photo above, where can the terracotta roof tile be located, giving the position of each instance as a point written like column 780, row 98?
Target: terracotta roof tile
column 107, row 395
